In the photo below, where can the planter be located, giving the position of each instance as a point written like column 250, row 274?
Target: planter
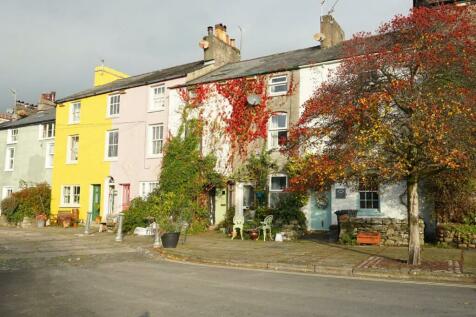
column 368, row 238
column 40, row 223
column 254, row 234
column 170, row 239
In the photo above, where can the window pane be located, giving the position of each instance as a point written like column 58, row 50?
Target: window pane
column 282, row 137
column 280, row 79
column 278, row 182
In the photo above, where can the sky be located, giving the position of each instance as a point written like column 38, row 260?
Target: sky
column 55, row 44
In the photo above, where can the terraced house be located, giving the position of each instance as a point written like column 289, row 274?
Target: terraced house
column 110, row 138
column 291, row 78
column 27, row 148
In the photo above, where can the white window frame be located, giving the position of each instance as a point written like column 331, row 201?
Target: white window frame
column 113, row 105
column 10, row 158
column 69, row 158
column 75, row 112
column 275, row 191
column 74, row 196
column 107, row 157
column 12, row 136
column 47, row 131
column 276, row 130
column 151, row 140
column 50, row 154
column 7, row 191
column 276, row 81
column 157, row 101
column 145, row 188
column 365, row 190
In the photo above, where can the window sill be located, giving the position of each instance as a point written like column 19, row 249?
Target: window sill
column 73, row 123
column 158, row 156
column 284, row 93
column 115, row 116
column 72, row 162
column 69, row 206
column 155, row 110
column 9, row 170
column 111, row 159
column 12, row 143
column 46, row 139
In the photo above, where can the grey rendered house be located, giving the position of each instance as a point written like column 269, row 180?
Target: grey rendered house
column 26, row 151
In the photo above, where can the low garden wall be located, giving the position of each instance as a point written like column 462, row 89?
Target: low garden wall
column 460, row 235
column 393, row 232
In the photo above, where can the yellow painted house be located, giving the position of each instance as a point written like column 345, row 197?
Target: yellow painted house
column 80, row 170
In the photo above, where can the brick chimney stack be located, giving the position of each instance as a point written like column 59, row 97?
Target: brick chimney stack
column 219, row 47
column 47, row 101
column 333, row 33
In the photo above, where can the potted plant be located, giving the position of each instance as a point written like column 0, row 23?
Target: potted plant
column 41, row 220
column 170, row 212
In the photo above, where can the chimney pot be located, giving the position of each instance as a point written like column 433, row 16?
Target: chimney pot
column 210, row 30
column 233, row 42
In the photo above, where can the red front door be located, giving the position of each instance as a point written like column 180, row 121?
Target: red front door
column 126, row 196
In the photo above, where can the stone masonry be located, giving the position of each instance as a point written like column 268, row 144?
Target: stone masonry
column 393, row 232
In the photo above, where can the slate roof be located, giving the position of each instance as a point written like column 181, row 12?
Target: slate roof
column 136, row 81
column 271, row 64
column 36, row 118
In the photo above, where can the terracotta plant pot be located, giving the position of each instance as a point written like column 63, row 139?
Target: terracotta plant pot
column 66, row 222
column 368, row 238
column 254, row 234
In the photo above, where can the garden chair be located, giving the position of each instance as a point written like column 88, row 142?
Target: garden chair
column 238, row 222
column 266, row 226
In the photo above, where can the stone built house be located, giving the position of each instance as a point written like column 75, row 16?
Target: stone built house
column 27, row 148
column 109, row 139
column 291, row 78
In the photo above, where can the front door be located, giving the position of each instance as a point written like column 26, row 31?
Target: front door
column 320, row 206
column 220, row 205
column 96, row 201
column 126, row 196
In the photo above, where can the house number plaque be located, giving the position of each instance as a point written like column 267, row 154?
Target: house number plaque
column 340, row 193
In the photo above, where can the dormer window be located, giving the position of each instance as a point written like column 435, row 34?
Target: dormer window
column 157, row 101
column 278, row 85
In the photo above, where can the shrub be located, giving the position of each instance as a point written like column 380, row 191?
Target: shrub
column 289, row 209
column 136, row 215
column 28, row 202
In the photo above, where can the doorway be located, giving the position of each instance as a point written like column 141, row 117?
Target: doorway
column 320, row 207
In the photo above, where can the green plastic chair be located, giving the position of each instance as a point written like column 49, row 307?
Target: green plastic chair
column 266, row 226
column 238, row 222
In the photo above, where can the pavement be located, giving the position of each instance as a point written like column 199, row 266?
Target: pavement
column 56, row 272
column 439, row 265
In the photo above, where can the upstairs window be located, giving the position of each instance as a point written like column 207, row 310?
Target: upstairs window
column 114, row 105
column 278, row 85
column 277, row 131
column 75, row 111
column 12, row 136
column 73, row 148
column 112, row 144
column 7, row 191
column 10, row 159
column 156, row 139
column 157, row 98
column 47, row 131
column 369, row 196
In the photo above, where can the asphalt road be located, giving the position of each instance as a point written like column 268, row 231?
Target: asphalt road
column 124, row 283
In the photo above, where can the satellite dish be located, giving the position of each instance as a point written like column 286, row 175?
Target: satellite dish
column 319, row 37
column 253, row 100
column 204, row 44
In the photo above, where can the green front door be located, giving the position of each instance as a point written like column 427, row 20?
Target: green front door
column 220, row 205
column 320, row 211
column 96, row 203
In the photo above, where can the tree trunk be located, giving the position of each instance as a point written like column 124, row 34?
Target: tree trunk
column 414, row 247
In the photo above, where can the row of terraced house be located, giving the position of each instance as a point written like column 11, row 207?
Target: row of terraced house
column 99, row 148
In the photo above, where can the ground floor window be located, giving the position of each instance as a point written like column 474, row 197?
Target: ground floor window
column 277, row 186
column 369, row 196
column 147, row 187
column 71, row 195
column 7, row 191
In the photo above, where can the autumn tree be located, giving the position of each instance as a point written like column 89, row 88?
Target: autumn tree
column 400, row 107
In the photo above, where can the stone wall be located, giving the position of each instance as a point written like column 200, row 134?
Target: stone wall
column 393, row 232
column 450, row 235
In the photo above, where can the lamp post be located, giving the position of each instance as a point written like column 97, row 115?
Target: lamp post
column 88, row 222
column 157, row 241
